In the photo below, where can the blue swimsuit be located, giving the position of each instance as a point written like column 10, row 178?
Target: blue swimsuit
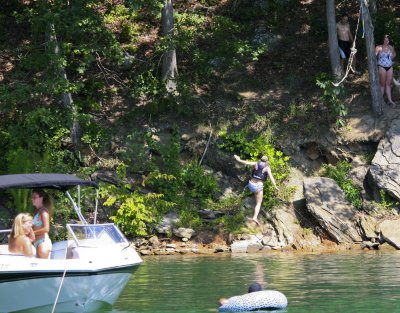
column 385, row 60
column 37, row 221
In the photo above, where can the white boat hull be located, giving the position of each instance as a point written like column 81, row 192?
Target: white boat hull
column 85, row 272
column 91, row 278
column 76, row 294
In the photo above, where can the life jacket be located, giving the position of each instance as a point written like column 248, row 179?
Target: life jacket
column 258, row 171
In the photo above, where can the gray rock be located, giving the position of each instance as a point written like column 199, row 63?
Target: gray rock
column 370, row 245
column 154, row 242
column 254, row 247
column 389, row 230
column 385, row 167
column 357, row 176
column 182, row 232
column 327, row 203
column 288, row 232
column 283, row 223
column 167, row 222
column 239, row 246
column 367, row 226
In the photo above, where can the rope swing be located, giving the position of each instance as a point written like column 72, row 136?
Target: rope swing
column 353, row 49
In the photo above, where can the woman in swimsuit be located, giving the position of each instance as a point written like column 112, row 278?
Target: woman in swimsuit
column 41, row 222
column 21, row 237
column 256, row 184
column 385, row 54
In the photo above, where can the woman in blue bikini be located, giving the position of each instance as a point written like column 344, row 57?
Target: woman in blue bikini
column 41, row 222
column 385, row 54
column 256, row 184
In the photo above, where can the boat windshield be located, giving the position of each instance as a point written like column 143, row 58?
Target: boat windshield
column 95, row 235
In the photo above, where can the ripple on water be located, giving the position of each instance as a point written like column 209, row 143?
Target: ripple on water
column 346, row 282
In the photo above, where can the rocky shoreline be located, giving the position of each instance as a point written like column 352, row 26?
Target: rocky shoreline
column 318, row 218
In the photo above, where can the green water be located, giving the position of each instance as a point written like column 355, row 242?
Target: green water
column 347, row 282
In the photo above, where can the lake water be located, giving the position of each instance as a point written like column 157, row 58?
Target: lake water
column 345, row 282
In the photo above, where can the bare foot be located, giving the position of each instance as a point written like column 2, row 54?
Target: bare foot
column 391, row 103
column 253, row 220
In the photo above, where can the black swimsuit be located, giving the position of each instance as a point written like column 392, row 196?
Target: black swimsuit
column 385, row 67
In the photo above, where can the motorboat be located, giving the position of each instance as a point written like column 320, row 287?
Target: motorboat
column 83, row 274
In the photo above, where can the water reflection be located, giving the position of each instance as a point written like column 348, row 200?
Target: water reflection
column 348, row 282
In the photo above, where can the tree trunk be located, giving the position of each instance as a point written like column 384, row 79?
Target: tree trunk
column 169, row 64
column 66, row 96
column 372, row 8
column 334, row 56
column 376, row 94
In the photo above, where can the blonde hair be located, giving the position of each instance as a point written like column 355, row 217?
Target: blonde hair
column 17, row 227
column 264, row 158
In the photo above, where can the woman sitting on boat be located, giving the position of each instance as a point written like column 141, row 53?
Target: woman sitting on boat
column 41, row 222
column 21, row 237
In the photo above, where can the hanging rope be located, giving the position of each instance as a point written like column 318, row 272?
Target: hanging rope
column 58, row 292
column 353, row 50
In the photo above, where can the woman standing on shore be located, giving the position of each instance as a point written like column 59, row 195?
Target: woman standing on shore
column 256, row 184
column 385, row 54
column 41, row 222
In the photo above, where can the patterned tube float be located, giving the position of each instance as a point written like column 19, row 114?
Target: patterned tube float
column 259, row 300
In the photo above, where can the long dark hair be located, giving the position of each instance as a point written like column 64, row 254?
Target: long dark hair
column 47, row 200
column 390, row 39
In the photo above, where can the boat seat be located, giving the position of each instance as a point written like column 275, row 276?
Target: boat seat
column 59, row 250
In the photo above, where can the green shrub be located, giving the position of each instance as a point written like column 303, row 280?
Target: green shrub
column 133, row 213
column 333, row 97
column 252, row 148
column 386, row 200
column 339, row 174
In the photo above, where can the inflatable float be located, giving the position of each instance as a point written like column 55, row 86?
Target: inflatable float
column 259, row 300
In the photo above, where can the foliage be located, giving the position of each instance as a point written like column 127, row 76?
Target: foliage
column 333, row 97
column 386, row 202
column 253, row 148
column 232, row 223
column 20, row 161
column 183, row 184
column 133, row 213
column 386, row 23
column 339, row 174
column 181, row 187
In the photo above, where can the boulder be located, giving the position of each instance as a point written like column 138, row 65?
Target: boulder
column 328, row 204
column 154, row 241
column 357, row 175
column 167, row 222
column 367, row 225
column 254, row 247
column 242, row 246
column 283, row 223
column 385, row 166
column 389, row 230
column 182, row 232
column 239, row 246
column 288, row 232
